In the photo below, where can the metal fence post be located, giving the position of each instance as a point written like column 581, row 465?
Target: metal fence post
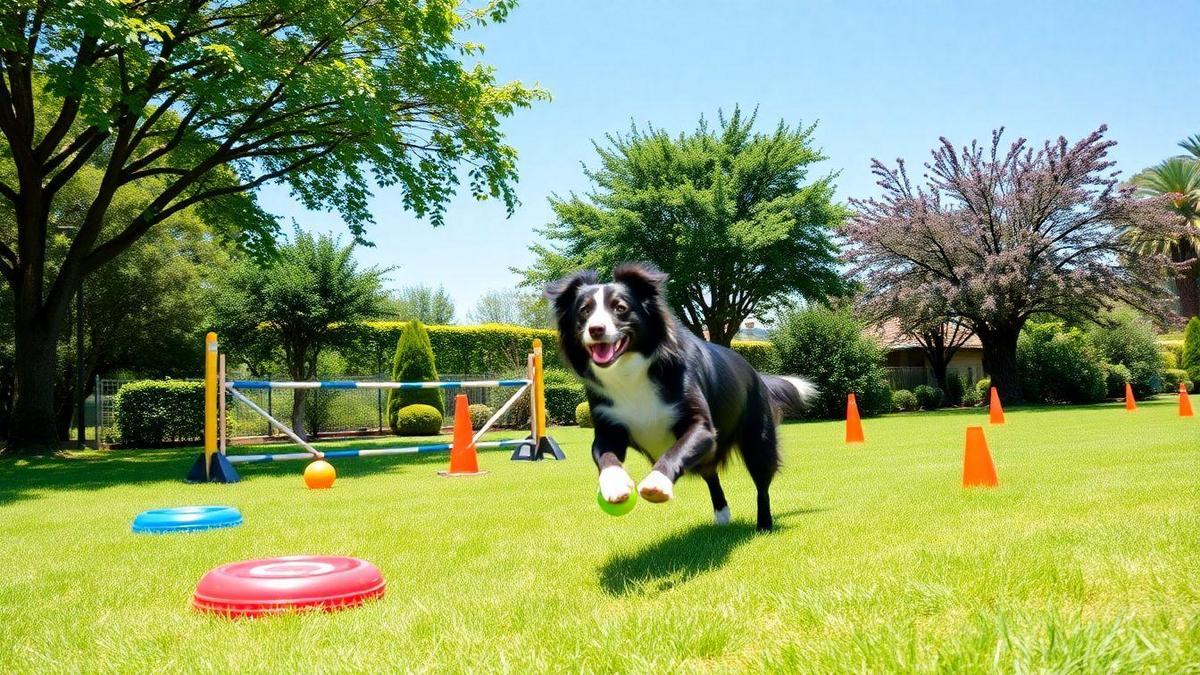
column 96, row 411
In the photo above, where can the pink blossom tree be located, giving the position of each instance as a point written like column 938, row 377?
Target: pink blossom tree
column 994, row 237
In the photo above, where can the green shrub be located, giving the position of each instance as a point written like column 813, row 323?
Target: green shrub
column 496, row 348
column 480, row 414
column 1115, row 377
column 971, row 397
column 830, row 349
column 1059, row 365
column 1189, row 358
column 583, row 415
column 983, row 387
column 413, row 362
column 1171, row 379
column 928, row 398
column 564, row 393
column 954, row 389
column 418, row 420
column 903, row 400
column 1130, row 340
column 1170, row 359
column 154, row 412
column 760, row 354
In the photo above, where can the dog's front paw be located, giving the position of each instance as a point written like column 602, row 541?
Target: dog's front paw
column 656, row 488
column 615, row 484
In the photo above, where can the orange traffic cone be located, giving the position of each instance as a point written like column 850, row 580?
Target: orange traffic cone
column 1130, row 404
column 463, row 460
column 995, row 410
column 1185, row 403
column 978, row 469
column 854, row 430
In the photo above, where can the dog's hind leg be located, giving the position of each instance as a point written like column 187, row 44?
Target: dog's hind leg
column 760, row 451
column 720, row 506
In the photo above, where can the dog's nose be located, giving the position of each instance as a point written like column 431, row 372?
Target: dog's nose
column 596, row 332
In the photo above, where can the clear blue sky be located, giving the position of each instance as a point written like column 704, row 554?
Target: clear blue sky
column 883, row 79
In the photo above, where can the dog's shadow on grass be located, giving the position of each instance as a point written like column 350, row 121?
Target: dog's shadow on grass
column 680, row 557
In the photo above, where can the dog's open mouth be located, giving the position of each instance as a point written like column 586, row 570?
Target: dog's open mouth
column 605, row 353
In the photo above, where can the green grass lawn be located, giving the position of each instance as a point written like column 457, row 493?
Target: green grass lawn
column 1087, row 557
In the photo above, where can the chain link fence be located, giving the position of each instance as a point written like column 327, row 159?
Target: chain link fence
column 326, row 411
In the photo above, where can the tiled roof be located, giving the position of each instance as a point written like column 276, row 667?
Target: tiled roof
column 891, row 337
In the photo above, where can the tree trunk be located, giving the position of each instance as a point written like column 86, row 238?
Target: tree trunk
column 298, row 396
column 938, row 366
column 1189, row 294
column 33, row 427
column 1000, row 361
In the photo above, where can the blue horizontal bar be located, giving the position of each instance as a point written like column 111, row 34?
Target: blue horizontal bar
column 250, row 384
column 513, row 383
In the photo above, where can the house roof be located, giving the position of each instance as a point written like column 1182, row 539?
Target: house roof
column 892, row 337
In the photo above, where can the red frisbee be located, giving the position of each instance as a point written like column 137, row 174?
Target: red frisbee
column 289, row 583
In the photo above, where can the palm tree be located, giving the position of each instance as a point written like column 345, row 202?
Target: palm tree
column 1179, row 179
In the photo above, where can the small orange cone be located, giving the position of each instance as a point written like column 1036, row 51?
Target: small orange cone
column 1130, row 404
column 854, row 430
column 978, row 469
column 463, row 459
column 995, row 410
column 1185, row 403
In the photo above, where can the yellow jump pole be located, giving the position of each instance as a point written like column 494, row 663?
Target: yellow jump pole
column 533, row 427
column 540, row 387
column 210, row 401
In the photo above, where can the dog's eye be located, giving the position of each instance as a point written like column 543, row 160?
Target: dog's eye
column 620, row 307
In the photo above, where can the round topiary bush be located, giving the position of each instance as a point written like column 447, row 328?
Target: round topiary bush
column 583, row 415
column 929, row 398
column 480, row 414
column 955, row 389
column 903, row 400
column 418, row 420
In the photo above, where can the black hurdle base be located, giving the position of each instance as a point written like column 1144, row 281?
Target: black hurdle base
column 531, row 451
column 221, row 470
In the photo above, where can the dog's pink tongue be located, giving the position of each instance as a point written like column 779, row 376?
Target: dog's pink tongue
column 602, row 352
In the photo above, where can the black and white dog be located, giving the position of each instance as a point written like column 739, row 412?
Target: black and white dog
column 682, row 402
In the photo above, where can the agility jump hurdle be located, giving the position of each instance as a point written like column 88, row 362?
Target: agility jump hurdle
column 215, row 465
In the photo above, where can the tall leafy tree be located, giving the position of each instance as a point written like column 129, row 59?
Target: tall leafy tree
column 1178, row 180
column 420, row 303
column 206, row 101
column 513, row 307
column 999, row 235
column 312, row 296
column 729, row 214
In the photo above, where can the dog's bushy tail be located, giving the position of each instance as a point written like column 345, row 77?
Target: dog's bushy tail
column 789, row 395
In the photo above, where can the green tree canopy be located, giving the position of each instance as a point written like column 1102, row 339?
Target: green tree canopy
column 421, row 303
column 512, row 307
column 310, row 297
column 201, row 103
column 729, row 214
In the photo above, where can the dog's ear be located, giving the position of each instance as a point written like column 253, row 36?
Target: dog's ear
column 645, row 280
column 562, row 293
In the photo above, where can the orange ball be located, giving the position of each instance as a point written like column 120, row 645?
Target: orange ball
column 319, row 475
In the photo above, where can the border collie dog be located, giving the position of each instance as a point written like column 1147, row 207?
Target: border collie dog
column 682, row 402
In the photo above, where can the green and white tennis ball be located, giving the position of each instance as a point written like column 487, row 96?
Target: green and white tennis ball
column 616, row 509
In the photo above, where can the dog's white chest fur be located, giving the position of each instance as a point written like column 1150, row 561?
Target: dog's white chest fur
column 637, row 404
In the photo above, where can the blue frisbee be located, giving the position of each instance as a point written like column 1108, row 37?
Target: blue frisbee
column 186, row 519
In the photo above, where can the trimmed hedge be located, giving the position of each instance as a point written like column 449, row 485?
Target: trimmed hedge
column 418, row 420
column 413, row 362
column 154, row 412
column 760, row 354
column 496, row 348
column 583, row 415
column 564, row 393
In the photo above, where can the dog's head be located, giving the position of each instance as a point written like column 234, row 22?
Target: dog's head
column 600, row 323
